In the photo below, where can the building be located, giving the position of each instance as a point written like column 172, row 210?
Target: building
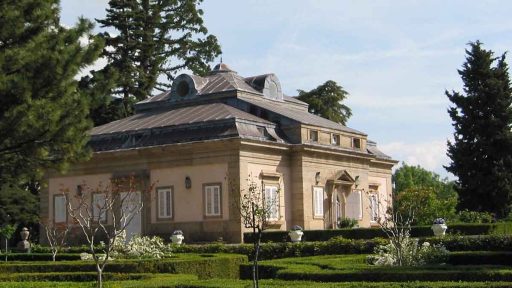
column 200, row 141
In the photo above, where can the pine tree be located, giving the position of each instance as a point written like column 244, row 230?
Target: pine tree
column 481, row 152
column 155, row 38
column 325, row 101
column 43, row 118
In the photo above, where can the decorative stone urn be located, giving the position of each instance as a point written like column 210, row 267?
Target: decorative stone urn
column 296, row 233
column 439, row 227
column 177, row 237
column 24, row 245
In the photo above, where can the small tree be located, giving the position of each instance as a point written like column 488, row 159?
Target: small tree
column 6, row 232
column 56, row 234
column 396, row 225
column 255, row 211
column 111, row 211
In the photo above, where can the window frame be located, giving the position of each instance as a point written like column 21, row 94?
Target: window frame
column 374, row 217
column 358, row 140
column 315, row 202
column 93, row 205
column 338, row 139
column 312, row 132
column 65, row 208
column 160, row 217
column 207, row 215
column 276, row 203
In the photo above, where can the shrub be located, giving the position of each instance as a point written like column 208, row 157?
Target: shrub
column 346, row 222
column 411, row 253
column 467, row 216
column 478, row 243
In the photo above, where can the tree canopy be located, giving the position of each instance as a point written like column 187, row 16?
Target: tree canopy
column 43, row 119
column 424, row 193
column 481, row 150
column 326, row 101
column 153, row 41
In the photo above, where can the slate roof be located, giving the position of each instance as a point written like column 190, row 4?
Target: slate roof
column 371, row 147
column 298, row 115
column 174, row 117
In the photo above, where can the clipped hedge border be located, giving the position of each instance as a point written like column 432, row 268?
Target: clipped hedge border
column 40, row 257
column 474, row 243
column 369, row 233
column 205, row 266
column 334, row 246
column 480, row 258
column 71, row 277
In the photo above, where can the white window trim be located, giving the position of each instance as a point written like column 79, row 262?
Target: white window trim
column 318, row 202
column 272, row 189
column 63, row 213
column 165, row 195
column 209, row 194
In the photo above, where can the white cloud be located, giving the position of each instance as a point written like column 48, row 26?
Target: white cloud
column 429, row 155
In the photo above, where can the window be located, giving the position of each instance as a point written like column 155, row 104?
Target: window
column 212, row 200
column 318, row 201
column 354, row 205
column 165, row 202
column 59, row 209
column 99, row 211
column 356, row 143
column 335, row 139
column 272, row 202
column 374, row 207
column 313, row 135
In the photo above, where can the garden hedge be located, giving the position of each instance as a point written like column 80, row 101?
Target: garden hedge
column 369, row 233
column 70, row 276
column 480, row 258
column 40, row 257
column 205, row 266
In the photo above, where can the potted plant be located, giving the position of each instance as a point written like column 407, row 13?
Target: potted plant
column 177, row 237
column 439, row 227
column 296, row 233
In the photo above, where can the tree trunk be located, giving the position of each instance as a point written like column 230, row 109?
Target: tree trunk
column 256, row 255
column 54, row 255
column 99, row 279
column 6, row 248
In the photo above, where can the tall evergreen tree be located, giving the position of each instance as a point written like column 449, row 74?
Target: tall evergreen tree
column 155, row 38
column 43, row 118
column 325, row 101
column 481, row 152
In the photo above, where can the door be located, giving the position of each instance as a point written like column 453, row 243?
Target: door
column 131, row 207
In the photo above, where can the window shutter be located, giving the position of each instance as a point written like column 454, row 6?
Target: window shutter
column 59, row 209
column 216, row 200
column 318, row 194
column 354, row 203
column 169, row 203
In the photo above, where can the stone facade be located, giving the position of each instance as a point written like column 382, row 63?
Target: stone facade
column 217, row 131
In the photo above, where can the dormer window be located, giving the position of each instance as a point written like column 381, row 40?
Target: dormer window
column 183, row 89
column 313, row 135
column 356, row 143
column 335, row 139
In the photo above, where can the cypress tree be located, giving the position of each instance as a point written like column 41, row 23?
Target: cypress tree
column 481, row 152
column 43, row 118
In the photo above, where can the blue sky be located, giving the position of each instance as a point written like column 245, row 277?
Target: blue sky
column 395, row 58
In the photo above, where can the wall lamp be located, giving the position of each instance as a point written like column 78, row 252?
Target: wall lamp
column 357, row 181
column 317, row 178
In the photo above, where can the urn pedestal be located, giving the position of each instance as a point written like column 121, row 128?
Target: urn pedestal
column 177, row 239
column 296, row 236
column 439, row 229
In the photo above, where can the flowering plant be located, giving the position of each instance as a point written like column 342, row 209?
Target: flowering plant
column 412, row 254
column 296, row 228
column 439, row 221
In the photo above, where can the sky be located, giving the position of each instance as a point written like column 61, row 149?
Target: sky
column 395, row 58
